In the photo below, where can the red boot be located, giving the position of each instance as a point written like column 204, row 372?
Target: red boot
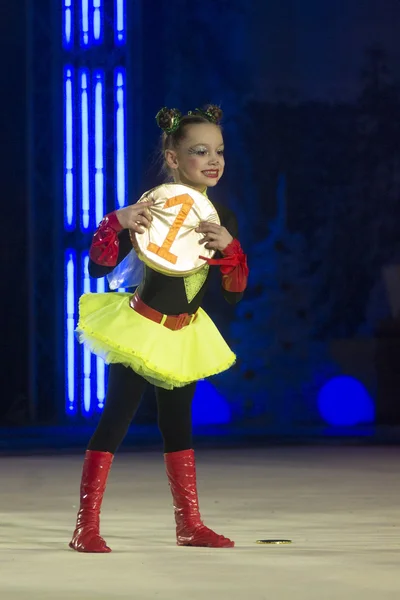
column 86, row 536
column 190, row 530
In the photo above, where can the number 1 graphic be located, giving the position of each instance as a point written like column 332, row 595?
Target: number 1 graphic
column 164, row 250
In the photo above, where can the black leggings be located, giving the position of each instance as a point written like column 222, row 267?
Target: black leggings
column 124, row 393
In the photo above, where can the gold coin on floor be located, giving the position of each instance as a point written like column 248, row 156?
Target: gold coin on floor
column 277, row 542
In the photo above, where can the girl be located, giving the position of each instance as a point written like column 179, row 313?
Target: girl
column 135, row 336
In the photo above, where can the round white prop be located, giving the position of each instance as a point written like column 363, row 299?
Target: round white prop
column 171, row 244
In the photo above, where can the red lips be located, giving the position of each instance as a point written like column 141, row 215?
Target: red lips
column 213, row 174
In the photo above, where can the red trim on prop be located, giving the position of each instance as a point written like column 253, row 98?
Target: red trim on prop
column 105, row 244
column 233, row 267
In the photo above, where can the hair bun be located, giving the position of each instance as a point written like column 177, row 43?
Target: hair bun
column 168, row 119
column 215, row 113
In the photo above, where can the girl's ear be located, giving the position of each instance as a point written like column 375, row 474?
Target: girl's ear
column 171, row 159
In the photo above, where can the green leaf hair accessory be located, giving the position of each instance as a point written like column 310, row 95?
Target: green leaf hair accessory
column 168, row 119
column 212, row 113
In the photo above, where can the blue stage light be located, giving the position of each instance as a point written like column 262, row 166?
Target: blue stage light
column 120, row 146
column 209, row 406
column 85, row 23
column 69, row 213
column 99, row 145
column 120, row 14
column 97, row 21
column 68, row 20
column 85, row 158
column 87, row 357
column 344, row 401
column 100, row 366
column 70, row 308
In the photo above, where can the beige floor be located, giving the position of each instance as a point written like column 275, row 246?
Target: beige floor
column 338, row 505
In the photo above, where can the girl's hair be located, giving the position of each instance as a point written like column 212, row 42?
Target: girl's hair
column 174, row 126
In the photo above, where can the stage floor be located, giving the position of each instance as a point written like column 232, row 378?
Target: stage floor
column 340, row 506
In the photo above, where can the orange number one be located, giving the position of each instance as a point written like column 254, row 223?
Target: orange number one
column 164, row 250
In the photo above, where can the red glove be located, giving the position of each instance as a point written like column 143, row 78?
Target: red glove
column 105, row 244
column 233, row 267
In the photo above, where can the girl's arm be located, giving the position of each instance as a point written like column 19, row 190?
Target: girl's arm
column 111, row 241
column 233, row 264
column 110, row 244
column 235, row 271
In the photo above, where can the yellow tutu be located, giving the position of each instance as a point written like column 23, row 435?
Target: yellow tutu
column 110, row 328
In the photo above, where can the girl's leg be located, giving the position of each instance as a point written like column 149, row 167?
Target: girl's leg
column 175, row 423
column 125, row 389
column 124, row 393
column 175, row 417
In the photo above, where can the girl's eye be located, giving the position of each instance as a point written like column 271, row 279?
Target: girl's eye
column 198, row 152
column 203, row 152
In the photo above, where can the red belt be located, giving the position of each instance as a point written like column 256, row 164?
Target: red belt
column 173, row 322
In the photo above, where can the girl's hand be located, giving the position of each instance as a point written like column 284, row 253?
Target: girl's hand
column 216, row 237
column 136, row 217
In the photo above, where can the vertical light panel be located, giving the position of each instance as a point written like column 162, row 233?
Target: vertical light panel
column 67, row 24
column 97, row 21
column 69, row 213
column 85, row 22
column 120, row 143
column 85, row 169
column 86, row 355
column 120, row 15
column 100, row 366
column 87, row 116
column 70, row 303
column 99, row 144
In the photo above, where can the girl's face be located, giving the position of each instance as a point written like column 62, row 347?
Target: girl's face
column 199, row 160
